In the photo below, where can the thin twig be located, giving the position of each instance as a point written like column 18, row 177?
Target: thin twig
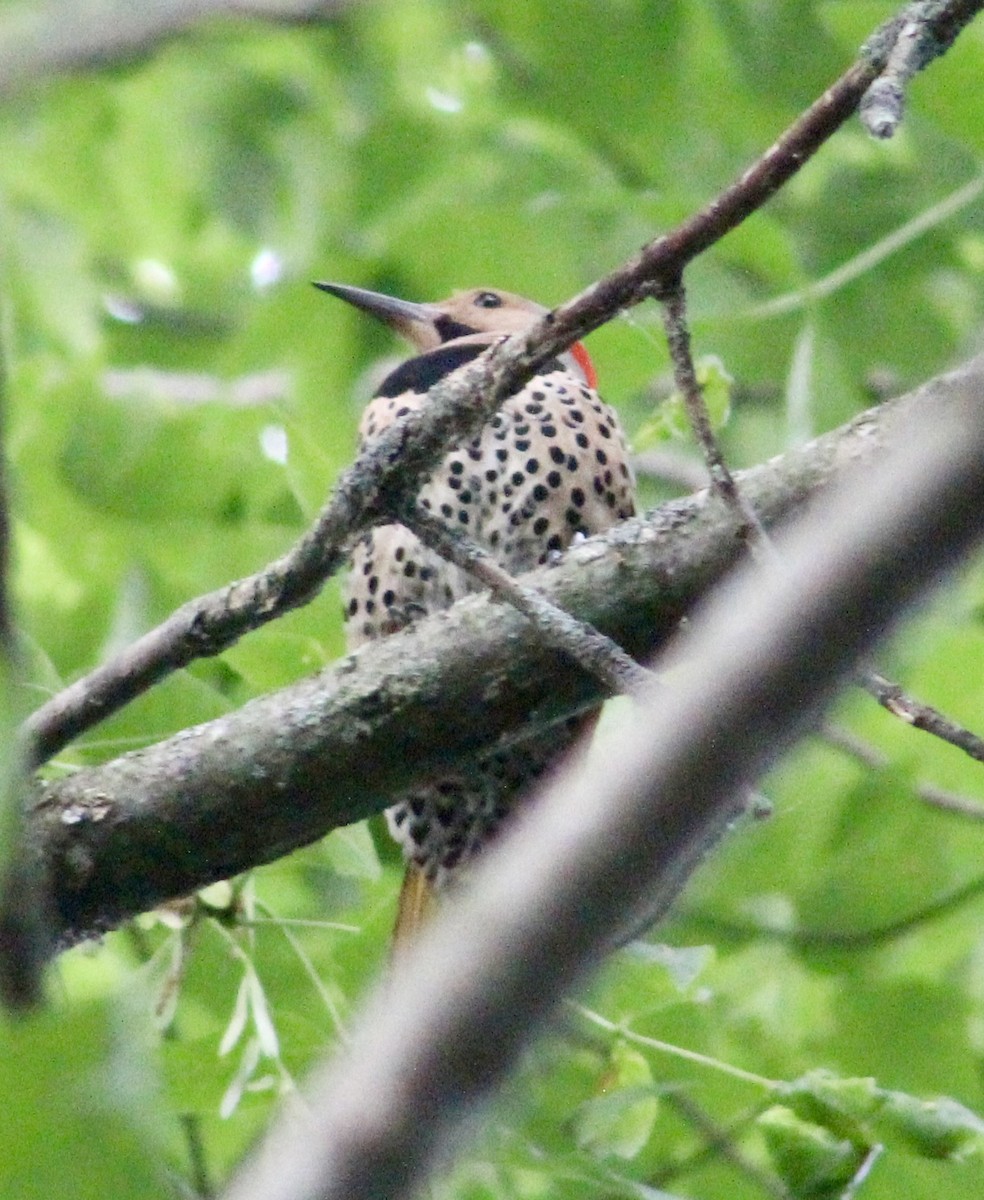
column 891, row 696
column 673, row 305
column 921, row 716
column 723, row 1141
column 599, row 655
column 876, row 760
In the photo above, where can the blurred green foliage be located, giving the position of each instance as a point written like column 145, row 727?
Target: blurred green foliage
column 181, row 400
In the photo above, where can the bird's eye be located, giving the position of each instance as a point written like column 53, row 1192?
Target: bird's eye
column 488, row 300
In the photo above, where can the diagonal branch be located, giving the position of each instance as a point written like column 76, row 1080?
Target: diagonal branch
column 599, row 655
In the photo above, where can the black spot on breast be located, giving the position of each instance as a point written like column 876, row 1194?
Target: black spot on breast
column 556, row 454
column 554, row 479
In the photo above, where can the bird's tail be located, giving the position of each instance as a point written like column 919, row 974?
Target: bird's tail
column 416, row 904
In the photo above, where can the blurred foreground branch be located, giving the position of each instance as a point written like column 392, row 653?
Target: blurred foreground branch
column 618, row 838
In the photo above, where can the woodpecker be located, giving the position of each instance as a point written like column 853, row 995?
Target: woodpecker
column 549, row 465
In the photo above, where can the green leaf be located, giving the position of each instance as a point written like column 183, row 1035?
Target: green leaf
column 941, row 1128
column 619, row 1122
column 811, row 1160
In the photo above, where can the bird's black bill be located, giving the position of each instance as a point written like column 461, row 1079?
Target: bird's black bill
column 386, row 308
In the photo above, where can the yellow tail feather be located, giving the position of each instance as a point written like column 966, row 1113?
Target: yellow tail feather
column 416, row 904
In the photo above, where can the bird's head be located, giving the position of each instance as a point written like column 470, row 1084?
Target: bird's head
column 477, row 314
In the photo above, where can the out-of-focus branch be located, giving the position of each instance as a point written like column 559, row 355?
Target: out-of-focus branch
column 38, row 41
column 24, row 935
column 618, row 837
column 876, row 760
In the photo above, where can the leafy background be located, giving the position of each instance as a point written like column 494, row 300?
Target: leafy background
column 180, row 401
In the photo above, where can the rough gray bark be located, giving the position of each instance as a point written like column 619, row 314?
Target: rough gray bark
column 287, row 768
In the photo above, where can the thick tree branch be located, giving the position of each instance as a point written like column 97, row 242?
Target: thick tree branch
column 615, row 838
column 285, row 769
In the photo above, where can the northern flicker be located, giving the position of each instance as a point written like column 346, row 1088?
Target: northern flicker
column 550, row 465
